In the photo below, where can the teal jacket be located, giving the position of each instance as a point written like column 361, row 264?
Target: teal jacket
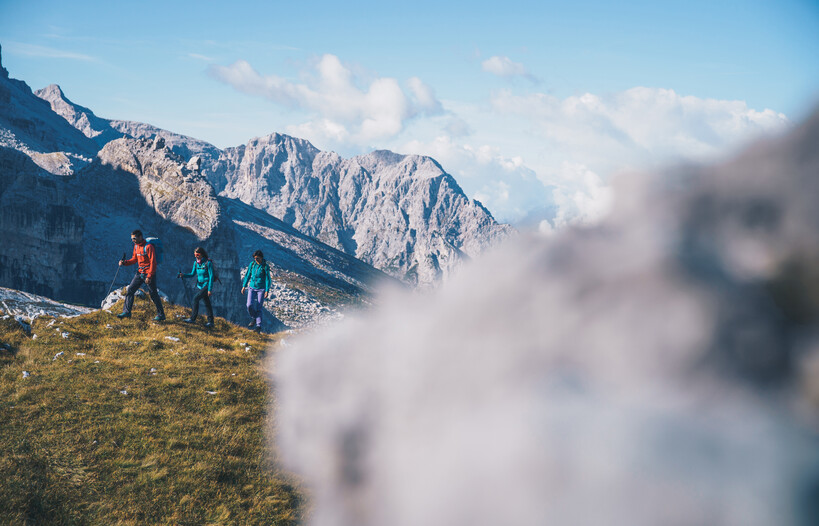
column 204, row 274
column 257, row 276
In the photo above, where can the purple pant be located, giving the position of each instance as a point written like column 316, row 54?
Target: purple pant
column 254, row 304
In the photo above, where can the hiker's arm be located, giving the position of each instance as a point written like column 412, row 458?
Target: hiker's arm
column 210, row 277
column 266, row 280
column 129, row 262
column 192, row 272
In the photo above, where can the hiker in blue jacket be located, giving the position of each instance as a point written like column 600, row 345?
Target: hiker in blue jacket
column 257, row 284
column 203, row 270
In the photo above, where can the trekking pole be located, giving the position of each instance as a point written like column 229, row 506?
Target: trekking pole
column 187, row 297
column 114, row 280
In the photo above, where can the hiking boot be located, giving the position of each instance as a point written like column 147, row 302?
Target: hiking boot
column 257, row 328
column 252, row 324
column 159, row 317
column 124, row 315
column 209, row 324
column 189, row 320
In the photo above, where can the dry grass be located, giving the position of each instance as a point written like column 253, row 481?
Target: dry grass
column 127, row 426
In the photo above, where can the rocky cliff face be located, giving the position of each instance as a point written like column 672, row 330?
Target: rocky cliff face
column 65, row 223
column 41, row 231
column 28, row 125
column 102, row 131
column 402, row 214
column 97, row 129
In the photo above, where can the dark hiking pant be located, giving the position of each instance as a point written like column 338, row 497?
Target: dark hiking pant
column 137, row 282
column 202, row 295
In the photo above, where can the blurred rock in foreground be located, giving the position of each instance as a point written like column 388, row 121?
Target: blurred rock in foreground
column 660, row 368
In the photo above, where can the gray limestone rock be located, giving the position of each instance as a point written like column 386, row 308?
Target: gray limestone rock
column 402, row 214
column 71, row 193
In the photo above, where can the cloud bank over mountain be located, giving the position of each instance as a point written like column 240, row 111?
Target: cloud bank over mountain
column 341, row 109
column 574, row 146
column 524, row 153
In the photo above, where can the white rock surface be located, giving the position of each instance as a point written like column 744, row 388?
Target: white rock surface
column 29, row 306
column 402, row 214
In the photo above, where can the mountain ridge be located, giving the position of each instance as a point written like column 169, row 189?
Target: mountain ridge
column 65, row 227
column 340, row 201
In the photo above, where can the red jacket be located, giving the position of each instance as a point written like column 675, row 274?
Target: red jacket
column 147, row 262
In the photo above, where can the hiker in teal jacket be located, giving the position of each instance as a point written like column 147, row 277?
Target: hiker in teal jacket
column 203, row 270
column 257, row 283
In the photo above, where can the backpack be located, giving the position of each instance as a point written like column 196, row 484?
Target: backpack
column 214, row 271
column 157, row 243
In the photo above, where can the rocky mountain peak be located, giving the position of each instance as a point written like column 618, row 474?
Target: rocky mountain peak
column 52, row 92
column 400, row 213
column 4, row 73
column 176, row 192
column 403, row 214
column 80, row 117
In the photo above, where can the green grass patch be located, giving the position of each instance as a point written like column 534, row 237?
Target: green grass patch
column 117, row 422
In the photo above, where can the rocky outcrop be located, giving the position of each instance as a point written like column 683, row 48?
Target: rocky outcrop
column 102, row 131
column 67, row 208
column 402, row 214
column 182, row 145
column 97, row 129
column 29, row 306
column 42, row 232
column 27, row 124
column 147, row 185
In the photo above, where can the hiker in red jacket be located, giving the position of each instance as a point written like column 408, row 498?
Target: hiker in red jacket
column 146, row 258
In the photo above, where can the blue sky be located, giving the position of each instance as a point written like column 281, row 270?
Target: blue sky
column 528, row 104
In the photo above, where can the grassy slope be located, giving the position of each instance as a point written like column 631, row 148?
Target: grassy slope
column 75, row 450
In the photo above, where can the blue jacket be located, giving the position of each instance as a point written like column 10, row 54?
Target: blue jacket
column 257, row 276
column 204, row 274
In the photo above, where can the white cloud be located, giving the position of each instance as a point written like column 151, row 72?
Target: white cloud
column 583, row 198
column 505, row 67
column 31, row 50
column 539, row 157
column 339, row 109
column 424, row 96
column 203, row 58
column 505, row 185
column 638, row 127
column 457, row 127
column 526, row 156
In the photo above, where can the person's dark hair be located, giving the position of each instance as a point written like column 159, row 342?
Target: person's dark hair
column 137, row 233
column 258, row 253
column 200, row 250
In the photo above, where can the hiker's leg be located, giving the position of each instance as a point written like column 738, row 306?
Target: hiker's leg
column 208, row 306
column 260, row 309
column 195, row 309
column 251, row 308
column 155, row 297
column 130, row 291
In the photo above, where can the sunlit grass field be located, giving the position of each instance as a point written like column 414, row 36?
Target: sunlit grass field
column 105, row 421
